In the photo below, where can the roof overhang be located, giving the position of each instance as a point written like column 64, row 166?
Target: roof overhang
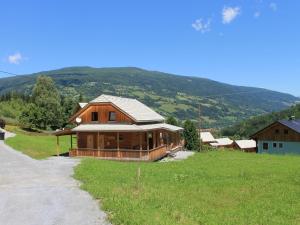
column 125, row 127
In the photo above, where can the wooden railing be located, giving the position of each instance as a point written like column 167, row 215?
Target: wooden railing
column 122, row 154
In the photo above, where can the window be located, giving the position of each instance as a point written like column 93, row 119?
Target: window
column 265, row 146
column 276, row 131
column 280, row 145
column 94, row 116
column 286, row 131
column 112, row 116
column 274, row 145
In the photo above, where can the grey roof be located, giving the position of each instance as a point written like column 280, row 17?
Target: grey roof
column 207, row 137
column 135, row 109
column 245, row 144
column 82, row 104
column 293, row 124
column 124, row 127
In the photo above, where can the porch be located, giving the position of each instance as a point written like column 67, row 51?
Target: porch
column 127, row 146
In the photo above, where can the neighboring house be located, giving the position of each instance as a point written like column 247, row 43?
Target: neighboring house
column 121, row 128
column 281, row 137
column 222, row 143
column 245, row 145
column 207, row 137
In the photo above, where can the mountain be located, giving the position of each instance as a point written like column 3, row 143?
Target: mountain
column 221, row 104
column 248, row 127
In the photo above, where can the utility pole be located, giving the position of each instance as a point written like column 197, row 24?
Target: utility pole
column 199, row 125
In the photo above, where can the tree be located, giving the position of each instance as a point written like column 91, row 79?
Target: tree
column 45, row 111
column 171, row 120
column 191, row 136
column 2, row 123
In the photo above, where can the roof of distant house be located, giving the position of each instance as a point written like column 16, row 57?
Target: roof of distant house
column 207, row 137
column 82, row 104
column 222, row 142
column 245, row 144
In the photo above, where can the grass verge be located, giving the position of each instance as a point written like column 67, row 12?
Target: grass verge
column 208, row 188
column 36, row 145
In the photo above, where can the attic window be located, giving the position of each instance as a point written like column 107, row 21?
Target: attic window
column 94, row 116
column 112, row 116
column 276, row 131
column 286, row 131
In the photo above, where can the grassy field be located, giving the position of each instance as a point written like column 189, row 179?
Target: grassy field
column 36, row 145
column 209, row 188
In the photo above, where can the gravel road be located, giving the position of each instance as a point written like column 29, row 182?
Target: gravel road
column 43, row 192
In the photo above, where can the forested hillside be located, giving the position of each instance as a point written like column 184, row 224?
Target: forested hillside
column 221, row 104
column 250, row 126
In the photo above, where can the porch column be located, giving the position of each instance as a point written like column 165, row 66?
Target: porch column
column 154, row 138
column 141, row 146
column 148, row 144
column 57, row 145
column 118, row 144
column 98, row 146
column 71, row 141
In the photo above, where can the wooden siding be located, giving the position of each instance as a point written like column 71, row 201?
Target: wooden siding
column 270, row 134
column 103, row 114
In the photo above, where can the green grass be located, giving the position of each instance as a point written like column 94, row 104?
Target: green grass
column 209, row 188
column 36, row 145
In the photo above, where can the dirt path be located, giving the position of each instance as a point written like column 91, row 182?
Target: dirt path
column 43, row 192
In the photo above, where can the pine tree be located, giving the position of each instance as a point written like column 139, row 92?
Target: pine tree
column 171, row 120
column 191, row 136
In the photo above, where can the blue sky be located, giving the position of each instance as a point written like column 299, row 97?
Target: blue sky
column 244, row 42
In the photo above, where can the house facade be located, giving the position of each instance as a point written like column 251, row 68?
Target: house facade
column 113, row 127
column 281, row 137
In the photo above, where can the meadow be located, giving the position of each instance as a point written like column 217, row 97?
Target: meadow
column 218, row 187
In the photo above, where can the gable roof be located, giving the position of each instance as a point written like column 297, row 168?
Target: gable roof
column 134, row 108
column 293, row 124
column 82, row 104
column 244, row 144
column 222, row 142
column 207, row 137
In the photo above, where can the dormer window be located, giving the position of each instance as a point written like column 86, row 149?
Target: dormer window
column 94, row 116
column 112, row 116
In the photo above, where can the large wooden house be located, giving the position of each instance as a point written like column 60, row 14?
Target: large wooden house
column 280, row 137
column 121, row 128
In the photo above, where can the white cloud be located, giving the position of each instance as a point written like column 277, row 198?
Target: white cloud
column 256, row 14
column 230, row 13
column 15, row 58
column 273, row 6
column 201, row 25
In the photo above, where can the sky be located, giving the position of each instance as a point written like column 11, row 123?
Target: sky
column 242, row 42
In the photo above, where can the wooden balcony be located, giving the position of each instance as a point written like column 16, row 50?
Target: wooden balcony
column 122, row 154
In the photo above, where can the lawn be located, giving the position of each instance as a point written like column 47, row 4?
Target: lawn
column 37, row 145
column 209, row 188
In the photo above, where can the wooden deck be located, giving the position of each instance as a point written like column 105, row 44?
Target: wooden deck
column 122, row 154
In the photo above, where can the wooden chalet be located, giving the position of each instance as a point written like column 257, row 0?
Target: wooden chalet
column 112, row 127
column 280, row 137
